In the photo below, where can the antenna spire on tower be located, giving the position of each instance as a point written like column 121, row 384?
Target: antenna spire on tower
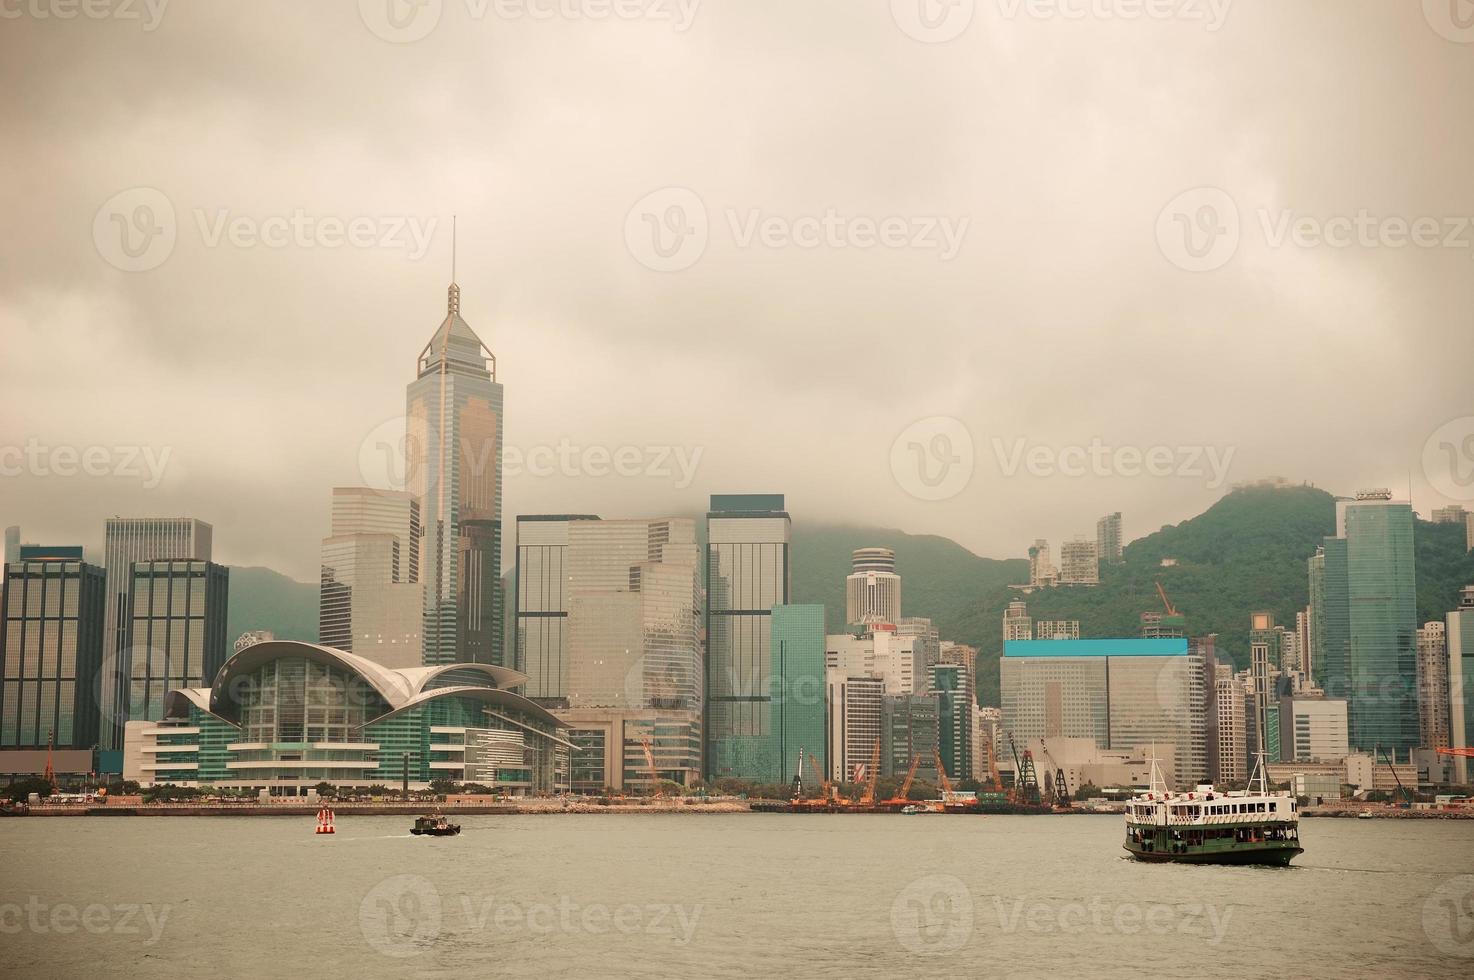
column 453, row 300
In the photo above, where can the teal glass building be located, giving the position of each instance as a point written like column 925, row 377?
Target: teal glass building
column 173, row 631
column 797, row 689
column 1370, row 622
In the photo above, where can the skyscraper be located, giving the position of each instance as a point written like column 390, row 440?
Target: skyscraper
column 1371, row 621
column 611, row 613
column 953, row 686
column 369, row 600
column 1108, row 538
column 12, row 544
column 1433, row 698
column 129, row 540
column 873, row 589
column 51, row 650
column 747, row 574
column 1460, row 638
column 539, row 627
column 173, row 631
column 797, row 687
column 454, row 468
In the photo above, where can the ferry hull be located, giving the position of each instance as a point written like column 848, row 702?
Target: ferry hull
column 1277, row 856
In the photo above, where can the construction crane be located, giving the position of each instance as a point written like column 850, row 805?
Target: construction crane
column 655, row 786
column 798, row 776
column 942, row 774
column 995, row 781
column 1171, row 609
column 1061, row 788
column 904, row 796
column 1406, row 796
column 1026, row 782
column 867, row 798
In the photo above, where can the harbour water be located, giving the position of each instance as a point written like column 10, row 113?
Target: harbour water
column 720, row 895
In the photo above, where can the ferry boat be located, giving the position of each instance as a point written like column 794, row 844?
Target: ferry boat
column 1208, row 826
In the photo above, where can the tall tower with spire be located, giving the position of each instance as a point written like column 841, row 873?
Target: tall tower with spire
column 454, row 457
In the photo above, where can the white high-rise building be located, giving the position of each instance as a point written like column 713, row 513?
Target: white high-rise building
column 1042, row 573
column 369, row 599
column 1078, row 563
column 854, row 706
column 1108, row 538
column 873, row 589
column 879, row 652
column 1233, row 759
column 1433, row 685
column 1313, row 729
column 1460, row 638
column 1017, row 624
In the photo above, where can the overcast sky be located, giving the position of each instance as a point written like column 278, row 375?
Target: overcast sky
column 824, row 243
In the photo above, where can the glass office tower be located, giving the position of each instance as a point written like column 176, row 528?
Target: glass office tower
column 129, row 540
column 454, row 468
column 1371, row 621
column 174, row 634
column 539, row 625
column 747, row 574
column 797, row 646
column 51, row 650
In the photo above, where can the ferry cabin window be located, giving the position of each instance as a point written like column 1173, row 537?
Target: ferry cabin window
column 1271, row 806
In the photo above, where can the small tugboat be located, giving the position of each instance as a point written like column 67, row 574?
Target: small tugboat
column 914, row 808
column 436, row 826
column 1252, row 826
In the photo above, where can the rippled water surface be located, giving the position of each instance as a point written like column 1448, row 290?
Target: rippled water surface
column 719, row 895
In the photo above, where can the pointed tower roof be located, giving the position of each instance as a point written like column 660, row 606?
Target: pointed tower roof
column 455, row 345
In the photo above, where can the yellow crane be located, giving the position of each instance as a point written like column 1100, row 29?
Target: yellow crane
column 655, row 786
column 867, row 798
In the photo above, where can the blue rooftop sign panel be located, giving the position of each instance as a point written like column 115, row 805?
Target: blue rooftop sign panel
column 1171, row 647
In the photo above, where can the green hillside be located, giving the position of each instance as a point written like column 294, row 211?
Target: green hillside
column 261, row 599
column 1247, row 552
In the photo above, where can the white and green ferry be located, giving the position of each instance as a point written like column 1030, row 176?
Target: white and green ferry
column 1207, row 826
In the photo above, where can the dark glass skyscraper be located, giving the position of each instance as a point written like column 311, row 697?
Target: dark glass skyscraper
column 51, row 650
column 454, row 468
column 173, row 631
column 747, row 574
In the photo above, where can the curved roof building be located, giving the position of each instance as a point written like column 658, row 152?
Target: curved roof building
column 283, row 715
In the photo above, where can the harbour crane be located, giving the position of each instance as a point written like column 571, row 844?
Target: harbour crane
column 904, row 796
column 655, row 786
column 1026, row 782
column 867, row 798
column 1061, row 788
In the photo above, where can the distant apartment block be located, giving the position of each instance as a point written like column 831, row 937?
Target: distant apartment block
column 1057, row 629
column 1433, row 687
column 1078, row 563
column 1042, row 573
column 1108, row 539
column 1017, row 624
